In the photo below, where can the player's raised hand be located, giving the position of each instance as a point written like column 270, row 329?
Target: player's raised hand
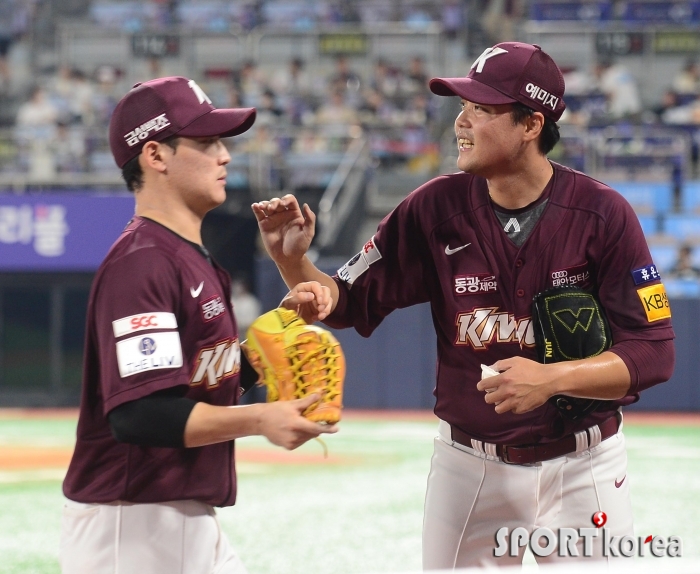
column 283, row 424
column 311, row 301
column 286, row 229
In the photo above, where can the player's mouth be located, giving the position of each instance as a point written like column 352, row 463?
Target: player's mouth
column 464, row 144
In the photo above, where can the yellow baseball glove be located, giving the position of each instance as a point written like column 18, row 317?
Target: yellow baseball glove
column 294, row 360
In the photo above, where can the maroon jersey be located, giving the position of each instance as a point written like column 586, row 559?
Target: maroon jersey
column 444, row 244
column 159, row 316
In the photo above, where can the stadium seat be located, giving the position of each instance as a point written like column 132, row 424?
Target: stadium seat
column 690, row 198
column 646, row 197
column 571, row 11
column 664, row 256
column 649, row 224
column 684, row 227
column 660, row 12
column 682, row 288
column 212, row 16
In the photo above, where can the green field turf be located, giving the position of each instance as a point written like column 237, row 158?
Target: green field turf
column 358, row 511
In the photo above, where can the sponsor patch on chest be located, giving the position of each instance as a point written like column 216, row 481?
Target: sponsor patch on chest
column 149, row 352
column 212, row 308
column 360, row 262
column 645, row 275
column 655, row 302
column 578, row 276
column 475, row 284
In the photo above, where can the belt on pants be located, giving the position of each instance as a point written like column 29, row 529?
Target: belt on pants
column 528, row 454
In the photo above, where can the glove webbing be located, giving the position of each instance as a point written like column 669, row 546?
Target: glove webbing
column 323, row 362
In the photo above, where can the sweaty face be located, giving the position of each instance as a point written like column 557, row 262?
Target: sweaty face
column 487, row 141
column 197, row 172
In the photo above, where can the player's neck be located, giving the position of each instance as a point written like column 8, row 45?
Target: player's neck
column 172, row 215
column 520, row 188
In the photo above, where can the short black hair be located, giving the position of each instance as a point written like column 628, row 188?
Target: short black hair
column 550, row 131
column 132, row 172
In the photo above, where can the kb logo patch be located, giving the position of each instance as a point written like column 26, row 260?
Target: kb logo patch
column 655, row 302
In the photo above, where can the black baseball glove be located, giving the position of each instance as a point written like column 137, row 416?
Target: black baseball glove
column 569, row 324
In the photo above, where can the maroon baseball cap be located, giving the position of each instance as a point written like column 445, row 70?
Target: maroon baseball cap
column 158, row 109
column 510, row 72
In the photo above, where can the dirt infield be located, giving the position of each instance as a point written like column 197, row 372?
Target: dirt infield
column 20, row 457
column 33, row 458
column 670, row 419
column 24, row 458
column 16, row 458
column 631, row 417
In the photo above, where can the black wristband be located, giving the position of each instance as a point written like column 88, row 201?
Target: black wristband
column 157, row 420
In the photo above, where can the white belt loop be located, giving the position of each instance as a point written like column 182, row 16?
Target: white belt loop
column 490, row 449
column 477, row 445
column 581, row 441
column 595, row 436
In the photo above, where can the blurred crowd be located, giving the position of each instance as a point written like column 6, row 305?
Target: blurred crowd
column 64, row 118
column 57, row 125
column 610, row 92
column 220, row 15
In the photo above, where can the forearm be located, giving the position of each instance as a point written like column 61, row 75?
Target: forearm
column 209, row 424
column 281, row 422
column 305, row 270
column 603, row 377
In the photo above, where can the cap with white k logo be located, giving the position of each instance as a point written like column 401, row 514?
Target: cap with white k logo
column 158, row 109
column 510, row 72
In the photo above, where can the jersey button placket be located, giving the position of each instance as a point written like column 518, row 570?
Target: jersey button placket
column 519, row 263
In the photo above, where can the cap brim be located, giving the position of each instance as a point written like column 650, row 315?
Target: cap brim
column 220, row 122
column 469, row 89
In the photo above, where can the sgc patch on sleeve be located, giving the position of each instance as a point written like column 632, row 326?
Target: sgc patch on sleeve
column 655, row 302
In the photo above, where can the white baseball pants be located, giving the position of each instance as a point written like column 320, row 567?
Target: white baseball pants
column 471, row 495
column 181, row 537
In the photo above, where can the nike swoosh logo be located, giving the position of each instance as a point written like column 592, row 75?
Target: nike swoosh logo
column 619, row 484
column 449, row 251
column 195, row 292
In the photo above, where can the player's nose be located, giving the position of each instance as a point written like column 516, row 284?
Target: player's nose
column 224, row 155
column 462, row 119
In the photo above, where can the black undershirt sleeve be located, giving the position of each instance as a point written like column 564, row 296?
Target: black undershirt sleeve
column 157, row 420
column 249, row 375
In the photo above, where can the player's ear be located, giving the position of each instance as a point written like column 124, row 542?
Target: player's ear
column 533, row 126
column 152, row 156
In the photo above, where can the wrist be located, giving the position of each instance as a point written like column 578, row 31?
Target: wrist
column 562, row 375
column 257, row 417
column 288, row 265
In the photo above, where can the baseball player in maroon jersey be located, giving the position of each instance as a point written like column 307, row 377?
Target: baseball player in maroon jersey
column 478, row 245
column 163, row 366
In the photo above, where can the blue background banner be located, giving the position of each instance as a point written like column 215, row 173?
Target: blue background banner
column 60, row 232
